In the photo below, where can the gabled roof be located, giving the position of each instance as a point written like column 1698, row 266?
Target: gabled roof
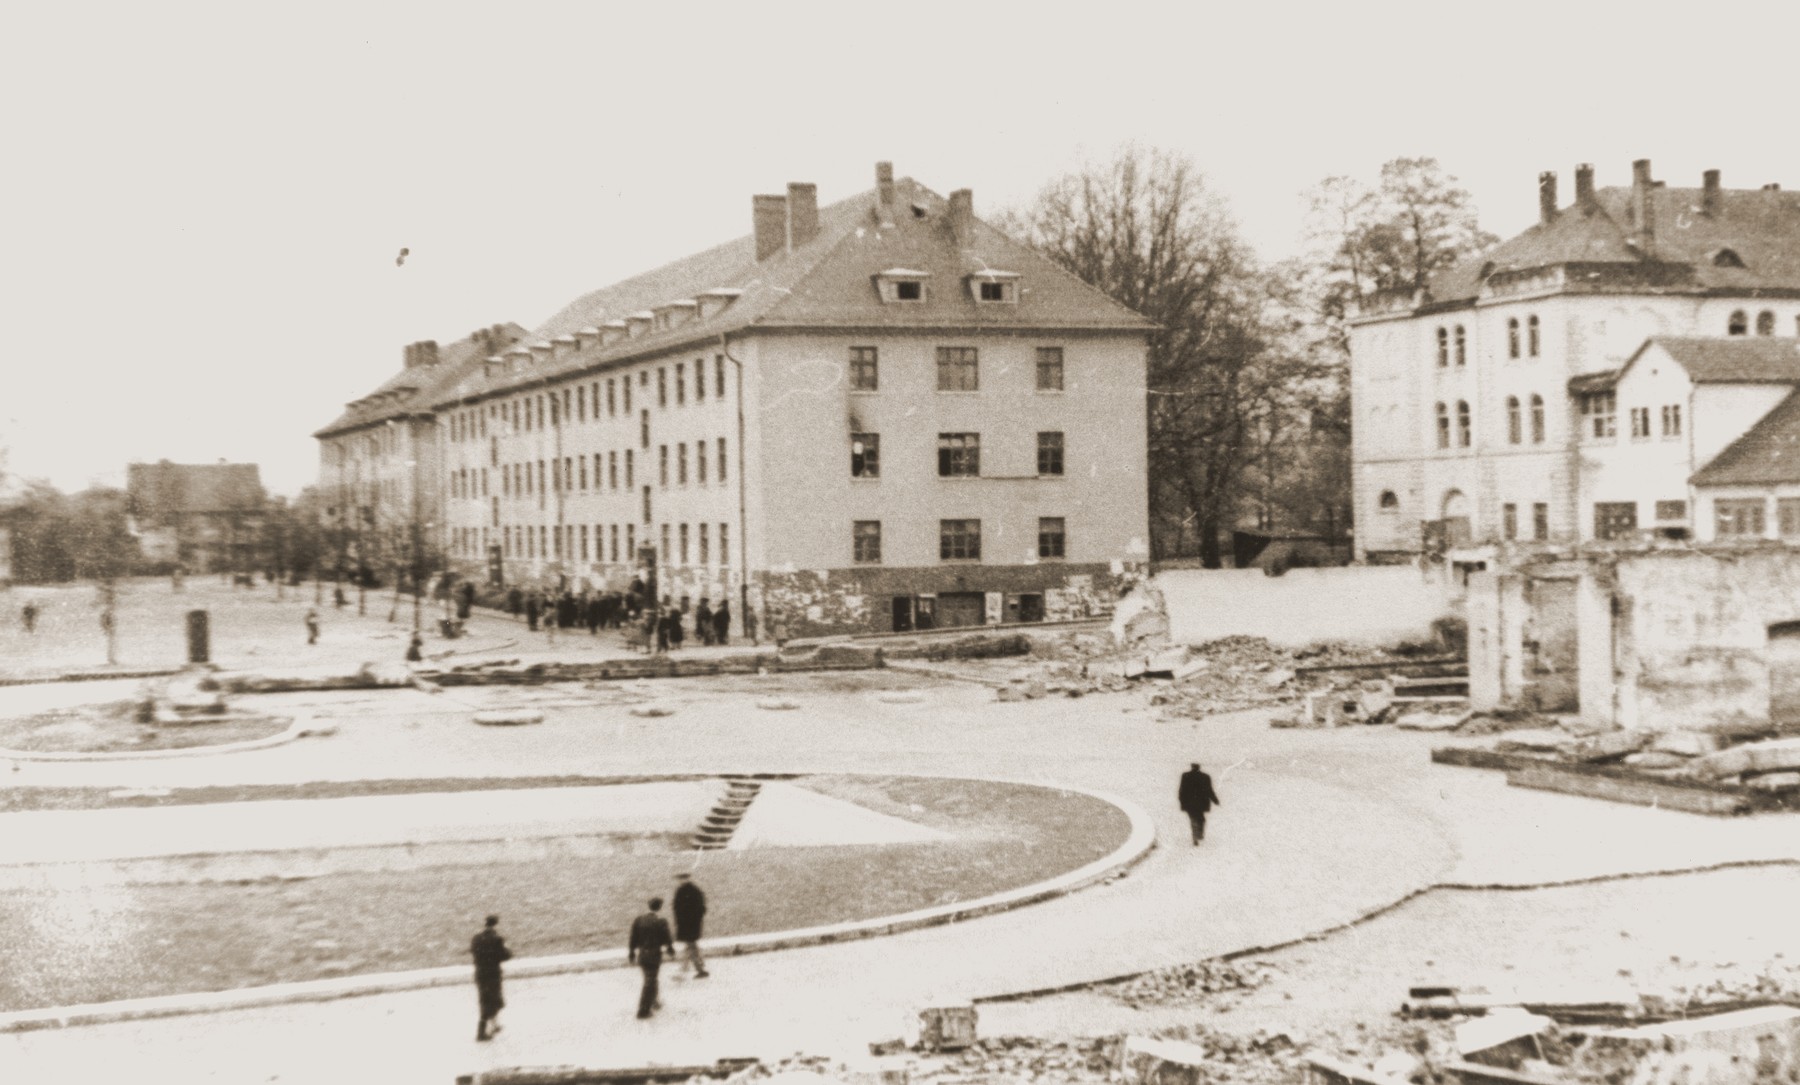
column 827, row 282
column 1760, row 226
column 1768, row 453
column 157, row 490
column 1735, row 359
column 417, row 388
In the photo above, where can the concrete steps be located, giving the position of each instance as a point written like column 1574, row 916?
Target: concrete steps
column 723, row 819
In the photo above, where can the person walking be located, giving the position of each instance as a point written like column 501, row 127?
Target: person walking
column 722, row 622
column 489, row 951
column 1197, row 796
column 703, row 623
column 659, row 623
column 689, row 907
column 531, row 612
column 312, row 626
column 649, row 937
column 28, row 614
column 415, row 649
column 677, row 630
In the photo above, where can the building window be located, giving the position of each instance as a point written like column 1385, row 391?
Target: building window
column 1052, row 540
column 626, row 390
column 1050, row 453
column 959, row 540
column 1671, row 511
column 865, row 369
column 631, row 546
column 665, row 544
column 719, row 374
column 1739, row 517
column 1531, row 335
column 865, row 455
column 662, row 387
column 646, row 504
column 700, row 462
column 584, row 472
column 1640, row 423
column 1614, row 519
column 1537, row 420
column 1049, row 369
column 1515, row 422
column 865, row 542
column 1465, row 435
column 1600, row 410
column 630, row 469
column 959, row 455
column 1540, row 521
column 662, row 459
column 1512, row 337
column 1443, row 426
column 909, row 290
column 613, row 533
column 1390, row 501
column 684, row 544
column 705, row 536
column 584, row 542
column 1671, row 420
column 1787, row 516
column 644, row 428
column 1765, row 323
column 1738, row 323
column 1509, row 521
column 680, row 388
column 699, row 385
column 724, row 544
column 957, row 370
column 681, row 463
column 1462, row 346
column 1443, row 341
column 721, row 459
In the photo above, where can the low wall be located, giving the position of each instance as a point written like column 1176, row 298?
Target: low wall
column 1363, row 604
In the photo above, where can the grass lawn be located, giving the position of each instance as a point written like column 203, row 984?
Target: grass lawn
column 101, row 943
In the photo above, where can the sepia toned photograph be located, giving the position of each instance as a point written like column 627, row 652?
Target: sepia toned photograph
column 824, row 544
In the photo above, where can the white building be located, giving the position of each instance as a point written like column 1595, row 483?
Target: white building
column 1485, row 407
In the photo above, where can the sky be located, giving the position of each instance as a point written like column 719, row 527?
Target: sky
column 203, row 204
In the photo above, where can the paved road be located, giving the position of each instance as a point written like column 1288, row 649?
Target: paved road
column 1317, row 828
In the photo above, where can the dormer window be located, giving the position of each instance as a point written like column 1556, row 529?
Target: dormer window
column 995, row 287
column 901, row 285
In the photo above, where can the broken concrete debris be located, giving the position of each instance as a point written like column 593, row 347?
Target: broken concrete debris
column 1190, row 982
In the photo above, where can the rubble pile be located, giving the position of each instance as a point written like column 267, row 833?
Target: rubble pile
column 1190, row 982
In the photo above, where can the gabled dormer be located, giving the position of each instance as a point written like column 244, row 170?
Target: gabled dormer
column 994, row 287
column 902, row 286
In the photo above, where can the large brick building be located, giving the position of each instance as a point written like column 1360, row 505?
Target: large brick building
column 1488, row 406
column 877, row 414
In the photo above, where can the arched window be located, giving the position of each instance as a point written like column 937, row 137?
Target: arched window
column 1443, row 348
column 1515, row 422
column 1512, row 337
column 1462, row 352
column 1765, row 323
column 1531, row 335
column 1465, row 435
column 1537, row 420
column 1389, row 500
column 1443, row 426
column 1738, row 324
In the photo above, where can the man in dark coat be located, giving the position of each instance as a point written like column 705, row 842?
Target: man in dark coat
column 1197, row 797
column 649, row 937
column 531, row 611
column 722, row 622
column 703, row 623
column 689, row 907
column 489, row 950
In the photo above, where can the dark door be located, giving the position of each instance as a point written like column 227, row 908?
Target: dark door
column 1784, row 675
column 903, row 613
column 958, row 608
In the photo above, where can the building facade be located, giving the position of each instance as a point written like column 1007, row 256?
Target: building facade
column 876, row 415
column 1485, row 407
column 205, row 517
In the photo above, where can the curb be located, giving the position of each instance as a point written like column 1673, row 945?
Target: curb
column 1139, row 841
column 89, row 676
column 299, row 728
column 927, row 670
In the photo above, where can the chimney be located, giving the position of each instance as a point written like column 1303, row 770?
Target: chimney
column 1584, row 186
column 428, row 354
column 803, row 213
column 1709, row 192
column 1772, row 186
column 409, row 356
column 1547, row 197
column 884, row 193
column 962, row 217
column 1643, row 205
column 769, row 216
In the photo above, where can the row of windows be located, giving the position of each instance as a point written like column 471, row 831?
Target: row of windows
column 572, row 474
column 583, row 402
column 958, row 540
column 1738, row 323
column 958, row 454
column 1454, row 342
column 1540, row 521
column 603, row 543
column 1600, row 419
column 1744, row 517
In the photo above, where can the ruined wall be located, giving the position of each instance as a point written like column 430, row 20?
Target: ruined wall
column 830, row 602
column 1692, row 646
column 1366, row 604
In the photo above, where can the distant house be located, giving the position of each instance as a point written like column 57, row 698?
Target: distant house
column 206, row 517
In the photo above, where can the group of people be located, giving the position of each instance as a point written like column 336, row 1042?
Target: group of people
column 651, row 938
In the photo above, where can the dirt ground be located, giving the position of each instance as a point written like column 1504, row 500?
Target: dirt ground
column 95, row 943
column 114, row 726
